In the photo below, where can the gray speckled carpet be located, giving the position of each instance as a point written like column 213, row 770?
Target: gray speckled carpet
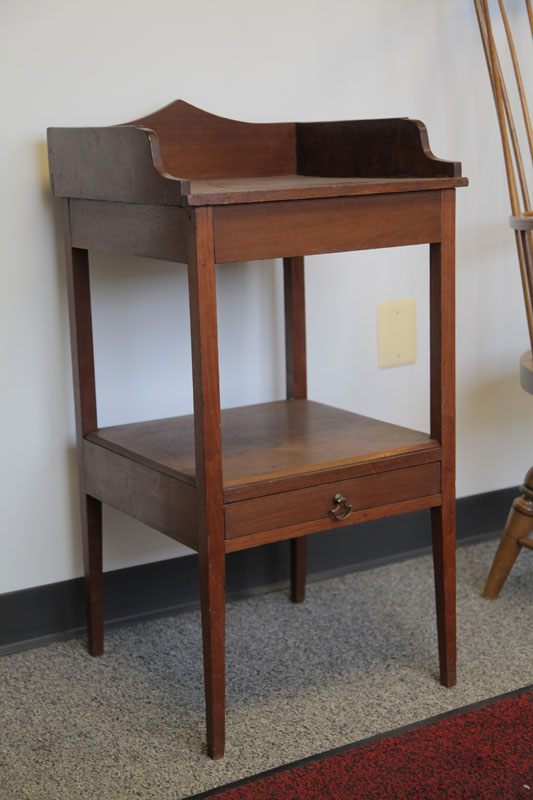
column 359, row 657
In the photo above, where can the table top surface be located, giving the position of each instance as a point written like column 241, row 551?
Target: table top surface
column 182, row 155
column 269, row 441
column 224, row 191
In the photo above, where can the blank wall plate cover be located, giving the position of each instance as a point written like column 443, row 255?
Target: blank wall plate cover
column 397, row 333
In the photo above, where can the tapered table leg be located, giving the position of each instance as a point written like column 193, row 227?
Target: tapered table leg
column 212, row 597
column 296, row 380
column 81, row 342
column 442, row 376
column 208, row 456
column 298, row 568
column 443, row 534
column 91, row 513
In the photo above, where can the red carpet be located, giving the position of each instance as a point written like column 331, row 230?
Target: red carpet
column 483, row 751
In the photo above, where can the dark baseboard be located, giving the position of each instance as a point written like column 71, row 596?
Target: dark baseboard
column 32, row 617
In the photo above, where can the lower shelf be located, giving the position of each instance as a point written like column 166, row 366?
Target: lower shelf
column 270, row 447
column 283, row 463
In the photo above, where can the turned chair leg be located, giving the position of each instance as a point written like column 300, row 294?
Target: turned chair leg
column 443, row 532
column 92, row 556
column 298, row 568
column 514, row 537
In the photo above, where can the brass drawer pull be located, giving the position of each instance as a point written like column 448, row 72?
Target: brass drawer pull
column 340, row 501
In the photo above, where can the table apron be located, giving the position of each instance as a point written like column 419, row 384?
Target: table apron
column 307, row 227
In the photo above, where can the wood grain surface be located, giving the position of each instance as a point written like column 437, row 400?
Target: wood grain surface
column 111, row 163
column 136, row 229
column 369, row 148
column 316, row 503
column 183, row 155
column 196, row 144
column 442, row 408
column 164, row 503
column 261, row 443
column 296, row 388
column 83, row 377
column 208, row 470
column 224, row 191
column 338, row 224
column 306, row 528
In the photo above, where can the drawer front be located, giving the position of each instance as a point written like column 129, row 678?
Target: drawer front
column 318, row 503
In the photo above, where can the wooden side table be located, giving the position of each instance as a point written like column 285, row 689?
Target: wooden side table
column 220, row 481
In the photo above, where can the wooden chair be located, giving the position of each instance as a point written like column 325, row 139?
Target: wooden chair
column 516, row 534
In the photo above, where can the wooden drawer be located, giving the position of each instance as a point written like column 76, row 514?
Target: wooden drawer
column 315, row 503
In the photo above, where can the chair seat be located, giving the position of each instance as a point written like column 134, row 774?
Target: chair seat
column 526, row 372
column 522, row 222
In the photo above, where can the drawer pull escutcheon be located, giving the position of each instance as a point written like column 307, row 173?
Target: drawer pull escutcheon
column 340, row 501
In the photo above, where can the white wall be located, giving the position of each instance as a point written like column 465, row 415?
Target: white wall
column 65, row 62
